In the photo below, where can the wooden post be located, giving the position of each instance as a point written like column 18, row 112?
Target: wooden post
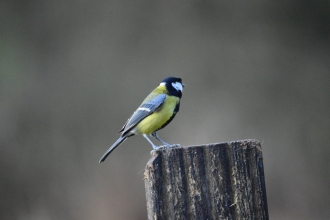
column 213, row 181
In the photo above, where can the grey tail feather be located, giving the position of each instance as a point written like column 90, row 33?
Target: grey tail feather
column 116, row 144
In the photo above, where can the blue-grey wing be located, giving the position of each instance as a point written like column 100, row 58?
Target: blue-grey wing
column 142, row 112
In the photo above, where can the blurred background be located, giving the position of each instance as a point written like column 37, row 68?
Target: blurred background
column 72, row 72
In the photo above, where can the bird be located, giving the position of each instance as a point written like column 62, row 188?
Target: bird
column 155, row 112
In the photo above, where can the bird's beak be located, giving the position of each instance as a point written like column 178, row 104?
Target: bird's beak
column 183, row 85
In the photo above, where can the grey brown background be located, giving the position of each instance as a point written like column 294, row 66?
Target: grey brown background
column 72, row 72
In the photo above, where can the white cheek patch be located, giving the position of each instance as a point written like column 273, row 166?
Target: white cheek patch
column 177, row 86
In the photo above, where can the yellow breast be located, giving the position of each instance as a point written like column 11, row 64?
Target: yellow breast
column 156, row 120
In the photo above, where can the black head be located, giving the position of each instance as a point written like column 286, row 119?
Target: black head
column 174, row 85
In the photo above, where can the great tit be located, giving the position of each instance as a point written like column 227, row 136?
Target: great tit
column 155, row 112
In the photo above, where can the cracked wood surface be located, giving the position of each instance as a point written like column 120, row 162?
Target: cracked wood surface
column 212, row 181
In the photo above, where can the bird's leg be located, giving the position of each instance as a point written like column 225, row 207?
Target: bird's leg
column 154, row 134
column 152, row 144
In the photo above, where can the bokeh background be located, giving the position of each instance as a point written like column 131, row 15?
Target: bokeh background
column 72, row 72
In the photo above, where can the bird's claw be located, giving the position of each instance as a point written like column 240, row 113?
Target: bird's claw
column 164, row 147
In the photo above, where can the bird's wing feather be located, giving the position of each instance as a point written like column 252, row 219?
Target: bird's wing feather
column 145, row 109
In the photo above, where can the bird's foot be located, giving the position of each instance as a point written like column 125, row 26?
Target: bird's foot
column 173, row 145
column 155, row 147
column 164, row 147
